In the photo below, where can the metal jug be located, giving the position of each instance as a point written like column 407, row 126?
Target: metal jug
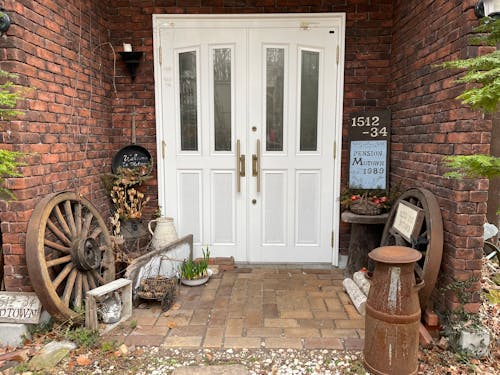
column 164, row 232
column 392, row 312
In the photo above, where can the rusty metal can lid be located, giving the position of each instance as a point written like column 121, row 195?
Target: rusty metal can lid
column 395, row 254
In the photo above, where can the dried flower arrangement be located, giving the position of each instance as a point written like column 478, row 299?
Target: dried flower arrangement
column 129, row 202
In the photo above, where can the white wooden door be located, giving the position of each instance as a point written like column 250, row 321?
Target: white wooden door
column 226, row 85
column 292, row 89
column 204, row 121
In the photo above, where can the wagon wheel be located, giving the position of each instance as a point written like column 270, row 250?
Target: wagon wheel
column 429, row 240
column 68, row 252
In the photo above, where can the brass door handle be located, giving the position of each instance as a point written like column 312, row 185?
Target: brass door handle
column 240, row 165
column 256, row 165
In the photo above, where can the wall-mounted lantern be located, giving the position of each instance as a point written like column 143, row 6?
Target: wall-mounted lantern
column 131, row 59
column 490, row 8
column 4, row 21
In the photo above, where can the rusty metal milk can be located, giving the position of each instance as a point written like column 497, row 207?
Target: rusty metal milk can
column 392, row 312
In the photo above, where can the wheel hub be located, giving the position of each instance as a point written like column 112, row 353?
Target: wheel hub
column 86, row 254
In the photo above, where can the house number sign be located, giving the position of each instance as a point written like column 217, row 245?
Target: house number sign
column 369, row 144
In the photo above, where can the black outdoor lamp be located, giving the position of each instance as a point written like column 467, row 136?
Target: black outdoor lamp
column 4, row 21
column 131, row 59
column 490, row 8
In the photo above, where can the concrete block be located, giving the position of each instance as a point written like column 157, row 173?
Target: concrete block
column 474, row 341
column 12, row 334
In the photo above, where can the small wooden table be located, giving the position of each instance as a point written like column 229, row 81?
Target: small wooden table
column 366, row 233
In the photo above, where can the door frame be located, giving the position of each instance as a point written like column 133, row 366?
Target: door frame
column 302, row 20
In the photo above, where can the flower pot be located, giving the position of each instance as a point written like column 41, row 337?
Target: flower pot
column 196, row 282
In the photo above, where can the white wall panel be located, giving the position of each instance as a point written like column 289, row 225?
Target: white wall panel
column 274, row 209
column 223, row 207
column 190, row 203
column 308, row 203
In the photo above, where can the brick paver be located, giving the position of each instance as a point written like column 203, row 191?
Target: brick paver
column 248, row 308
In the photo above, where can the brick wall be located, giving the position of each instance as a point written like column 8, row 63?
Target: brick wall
column 53, row 46
column 429, row 124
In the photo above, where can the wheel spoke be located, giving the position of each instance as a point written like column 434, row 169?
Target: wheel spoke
column 56, row 246
column 78, row 218
column 86, row 286
column 96, row 232
column 66, row 270
column 68, row 289
column 62, row 220
column 98, row 277
column 78, row 290
column 58, row 232
column 70, row 218
column 92, row 280
column 86, row 224
column 61, row 260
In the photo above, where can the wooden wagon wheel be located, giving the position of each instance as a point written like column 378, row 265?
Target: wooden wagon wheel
column 68, row 252
column 429, row 240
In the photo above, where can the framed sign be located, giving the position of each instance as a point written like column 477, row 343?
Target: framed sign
column 369, row 144
column 408, row 220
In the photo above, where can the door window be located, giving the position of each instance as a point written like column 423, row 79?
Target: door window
column 275, row 77
column 188, row 99
column 309, row 80
column 222, row 97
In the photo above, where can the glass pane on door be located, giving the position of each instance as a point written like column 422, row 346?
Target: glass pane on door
column 275, row 74
column 309, row 101
column 188, row 101
column 222, row 98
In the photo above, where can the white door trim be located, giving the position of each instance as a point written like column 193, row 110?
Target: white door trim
column 336, row 21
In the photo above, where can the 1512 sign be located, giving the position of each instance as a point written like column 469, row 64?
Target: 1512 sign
column 369, row 137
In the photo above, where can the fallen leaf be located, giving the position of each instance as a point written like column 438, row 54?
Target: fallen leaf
column 166, row 314
column 171, row 324
column 83, row 360
column 123, row 349
column 176, row 306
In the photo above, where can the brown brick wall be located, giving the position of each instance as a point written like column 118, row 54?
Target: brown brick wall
column 53, row 46
column 429, row 124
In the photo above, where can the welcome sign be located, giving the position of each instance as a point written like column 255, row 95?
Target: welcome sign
column 19, row 307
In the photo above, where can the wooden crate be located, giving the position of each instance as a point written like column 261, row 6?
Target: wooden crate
column 95, row 296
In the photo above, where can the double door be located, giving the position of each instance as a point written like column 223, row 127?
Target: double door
column 247, row 129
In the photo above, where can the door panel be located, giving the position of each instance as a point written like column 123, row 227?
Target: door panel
column 292, row 218
column 201, row 133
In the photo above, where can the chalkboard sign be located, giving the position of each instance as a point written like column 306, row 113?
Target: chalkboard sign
column 131, row 157
column 369, row 144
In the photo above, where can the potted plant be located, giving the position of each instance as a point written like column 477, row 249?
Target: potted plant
column 195, row 272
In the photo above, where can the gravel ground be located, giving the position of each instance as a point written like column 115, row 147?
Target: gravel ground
column 156, row 361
